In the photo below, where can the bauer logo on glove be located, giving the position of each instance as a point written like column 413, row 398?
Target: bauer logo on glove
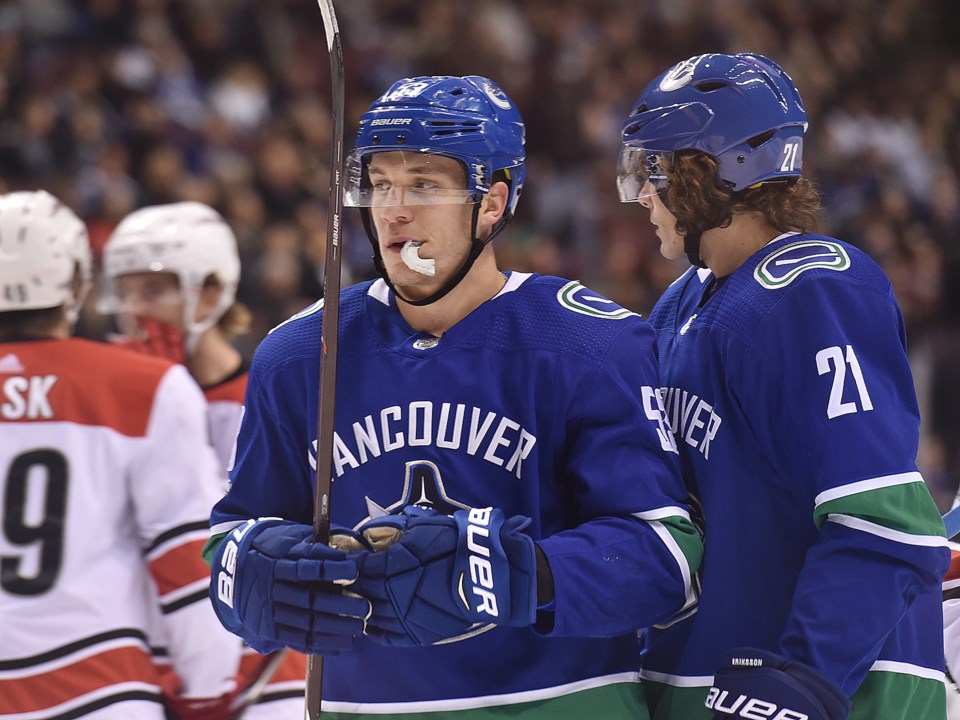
column 757, row 684
column 228, row 561
column 275, row 587
column 445, row 578
column 481, row 571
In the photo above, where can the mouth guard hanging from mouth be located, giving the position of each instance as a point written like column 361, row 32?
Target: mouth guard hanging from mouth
column 411, row 258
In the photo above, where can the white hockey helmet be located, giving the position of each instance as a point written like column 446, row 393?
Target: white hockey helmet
column 188, row 239
column 43, row 247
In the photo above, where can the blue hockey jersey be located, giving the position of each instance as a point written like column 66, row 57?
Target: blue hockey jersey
column 793, row 406
column 544, row 402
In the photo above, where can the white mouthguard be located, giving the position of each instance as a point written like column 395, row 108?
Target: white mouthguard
column 412, row 259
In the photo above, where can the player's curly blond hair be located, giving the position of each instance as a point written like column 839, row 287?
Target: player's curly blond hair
column 700, row 202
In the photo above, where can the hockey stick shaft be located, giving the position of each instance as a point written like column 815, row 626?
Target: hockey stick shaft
column 264, row 672
column 331, row 322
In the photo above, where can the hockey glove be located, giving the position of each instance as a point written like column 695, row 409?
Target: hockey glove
column 274, row 587
column 444, row 577
column 178, row 707
column 756, row 683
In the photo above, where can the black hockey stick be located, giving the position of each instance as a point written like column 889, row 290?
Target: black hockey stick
column 331, row 322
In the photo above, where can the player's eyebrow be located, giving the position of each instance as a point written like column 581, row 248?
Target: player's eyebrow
column 421, row 169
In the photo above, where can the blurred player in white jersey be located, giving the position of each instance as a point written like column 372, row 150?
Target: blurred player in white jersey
column 106, row 478
column 786, row 381
column 170, row 275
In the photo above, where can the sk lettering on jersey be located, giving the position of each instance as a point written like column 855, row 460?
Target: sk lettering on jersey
column 27, row 398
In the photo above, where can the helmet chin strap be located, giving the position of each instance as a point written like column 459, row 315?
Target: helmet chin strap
column 691, row 242
column 691, row 246
column 476, row 247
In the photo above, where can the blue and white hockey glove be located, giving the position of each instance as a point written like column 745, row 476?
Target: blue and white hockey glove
column 759, row 684
column 274, row 587
column 446, row 576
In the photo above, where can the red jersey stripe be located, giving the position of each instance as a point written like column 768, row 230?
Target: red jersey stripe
column 46, row 690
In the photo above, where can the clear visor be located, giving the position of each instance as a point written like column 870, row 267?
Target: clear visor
column 641, row 172
column 394, row 179
column 138, row 294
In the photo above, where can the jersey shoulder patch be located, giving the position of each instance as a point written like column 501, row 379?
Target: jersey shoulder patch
column 785, row 265
column 580, row 299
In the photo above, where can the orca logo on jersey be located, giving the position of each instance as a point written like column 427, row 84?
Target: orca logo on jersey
column 786, row 264
column 748, row 708
column 228, row 561
column 589, row 303
column 481, row 571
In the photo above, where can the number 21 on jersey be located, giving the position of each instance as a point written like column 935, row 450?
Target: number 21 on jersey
column 840, row 359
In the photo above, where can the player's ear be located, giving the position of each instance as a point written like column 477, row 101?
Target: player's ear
column 494, row 204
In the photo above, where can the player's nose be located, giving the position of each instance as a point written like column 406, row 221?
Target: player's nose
column 394, row 213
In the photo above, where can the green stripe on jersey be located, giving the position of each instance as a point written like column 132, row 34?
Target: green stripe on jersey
column 894, row 696
column 210, row 548
column 667, row 702
column 907, row 508
column 881, row 696
column 620, row 701
column 687, row 537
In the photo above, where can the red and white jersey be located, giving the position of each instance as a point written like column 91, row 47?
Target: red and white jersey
column 225, row 403
column 106, row 484
column 282, row 698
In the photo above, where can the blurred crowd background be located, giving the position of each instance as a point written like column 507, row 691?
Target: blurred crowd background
column 116, row 104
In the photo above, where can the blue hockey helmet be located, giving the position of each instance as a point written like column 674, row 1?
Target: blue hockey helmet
column 469, row 119
column 743, row 110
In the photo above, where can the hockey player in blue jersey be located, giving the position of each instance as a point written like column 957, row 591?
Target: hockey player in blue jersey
column 785, row 377
column 499, row 439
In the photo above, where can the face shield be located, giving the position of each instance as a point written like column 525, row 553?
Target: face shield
column 402, row 179
column 133, row 297
column 146, row 294
column 641, row 173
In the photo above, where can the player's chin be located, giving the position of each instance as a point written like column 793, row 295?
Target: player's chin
column 671, row 247
column 670, row 253
column 411, row 284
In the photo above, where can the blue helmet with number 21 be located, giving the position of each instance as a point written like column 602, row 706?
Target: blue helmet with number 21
column 743, row 110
